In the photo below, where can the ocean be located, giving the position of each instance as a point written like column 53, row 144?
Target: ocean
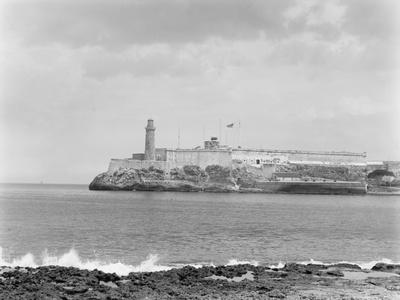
column 120, row 232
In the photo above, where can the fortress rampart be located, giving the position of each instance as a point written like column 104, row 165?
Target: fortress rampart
column 128, row 163
column 175, row 159
column 201, row 158
column 214, row 154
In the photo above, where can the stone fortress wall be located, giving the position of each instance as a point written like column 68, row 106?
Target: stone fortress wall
column 128, row 163
column 175, row 159
column 201, row 157
column 252, row 156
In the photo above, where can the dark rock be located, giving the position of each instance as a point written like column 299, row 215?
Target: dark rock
column 346, row 266
column 215, row 179
column 392, row 268
column 303, row 269
column 336, row 273
column 75, row 289
column 276, row 294
column 101, row 276
column 187, row 283
column 109, row 284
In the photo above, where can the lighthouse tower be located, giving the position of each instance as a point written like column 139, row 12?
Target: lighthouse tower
column 150, row 149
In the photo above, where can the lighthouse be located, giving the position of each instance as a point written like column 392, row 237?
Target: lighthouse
column 149, row 149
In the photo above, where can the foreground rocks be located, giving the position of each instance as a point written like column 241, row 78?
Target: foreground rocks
column 294, row 281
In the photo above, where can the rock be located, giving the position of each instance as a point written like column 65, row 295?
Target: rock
column 336, row 273
column 124, row 281
column 105, row 277
column 109, row 284
column 304, row 269
column 346, row 266
column 219, row 174
column 75, row 289
column 191, row 283
column 187, row 179
column 276, row 294
column 6, row 270
column 214, row 178
column 392, row 268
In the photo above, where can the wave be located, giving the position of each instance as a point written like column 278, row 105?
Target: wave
column 234, row 262
column 150, row 264
column 72, row 259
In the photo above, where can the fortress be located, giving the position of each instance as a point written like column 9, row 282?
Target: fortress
column 262, row 161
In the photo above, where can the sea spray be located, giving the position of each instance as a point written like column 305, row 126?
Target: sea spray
column 72, row 259
column 280, row 265
column 150, row 264
column 234, row 262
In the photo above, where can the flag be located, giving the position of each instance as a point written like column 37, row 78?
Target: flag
column 230, row 125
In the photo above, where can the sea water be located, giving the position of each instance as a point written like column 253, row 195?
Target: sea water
column 148, row 231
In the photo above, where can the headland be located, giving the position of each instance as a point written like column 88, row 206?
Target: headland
column 221, row 168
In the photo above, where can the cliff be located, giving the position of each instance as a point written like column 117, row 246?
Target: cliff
column 214, row 178
column 341, row 173
column 187, row 179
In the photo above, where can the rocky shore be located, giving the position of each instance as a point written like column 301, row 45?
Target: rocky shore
column 216, row 178
column 293, row 281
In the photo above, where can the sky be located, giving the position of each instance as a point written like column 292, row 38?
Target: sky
column 80, row 78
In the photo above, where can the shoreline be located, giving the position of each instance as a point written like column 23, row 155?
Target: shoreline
column 111, row 182
column 216, row 178
column 293, row 281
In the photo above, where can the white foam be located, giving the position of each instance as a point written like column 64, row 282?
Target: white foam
column 234, row 262
column 150, row 264
column 72, row 259
column 194, row 265
column 280, row 265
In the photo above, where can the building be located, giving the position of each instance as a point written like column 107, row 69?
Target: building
column 214, row 154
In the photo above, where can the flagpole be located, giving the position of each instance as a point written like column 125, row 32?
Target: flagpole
column 240, row 136
column 179, row 136
column 220, row 134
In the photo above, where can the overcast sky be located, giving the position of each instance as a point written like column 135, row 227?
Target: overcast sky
column 80, row 78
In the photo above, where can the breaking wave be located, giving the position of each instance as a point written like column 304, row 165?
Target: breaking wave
column 72, row 259
column 234, row 262
column 150, row 264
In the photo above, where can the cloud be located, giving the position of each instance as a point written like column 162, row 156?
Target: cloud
column 315, row 13
column 370, row 19
column 81, row 77
column 119, row 23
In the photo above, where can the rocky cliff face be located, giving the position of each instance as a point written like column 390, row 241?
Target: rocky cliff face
column 213, row 178
column 189, row 178
column 342, row 173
